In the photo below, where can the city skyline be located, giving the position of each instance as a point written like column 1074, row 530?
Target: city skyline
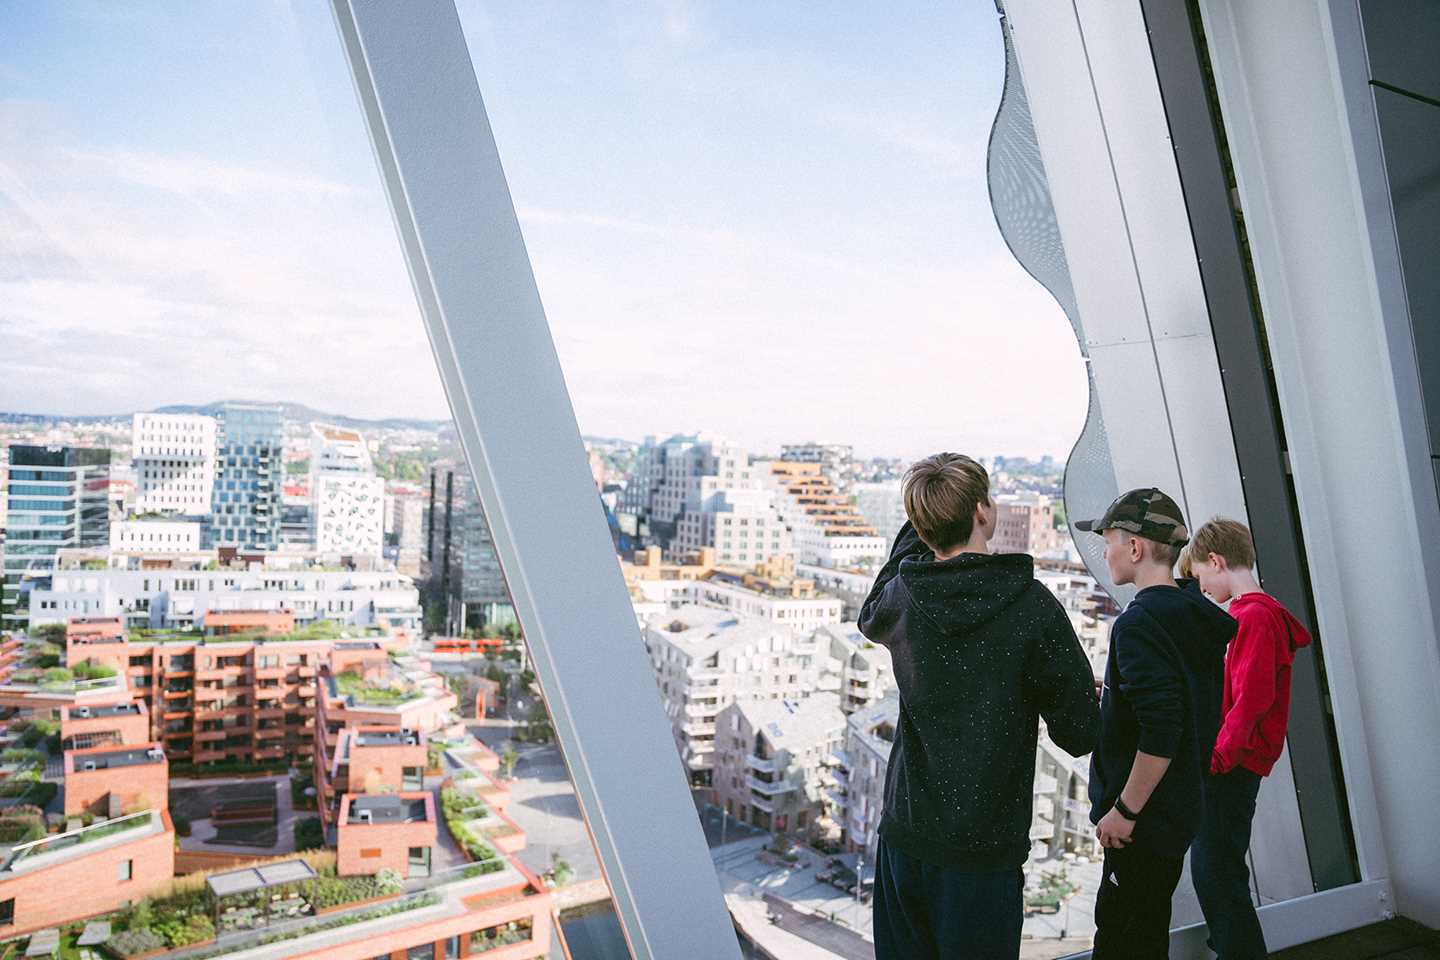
column 730, row 213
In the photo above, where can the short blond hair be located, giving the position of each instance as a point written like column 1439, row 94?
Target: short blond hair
column 1226, row 538
column 941, row 494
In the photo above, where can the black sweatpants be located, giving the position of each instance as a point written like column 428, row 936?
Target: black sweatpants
column 1217, row 865
column 928, row 912
column 1132, row 906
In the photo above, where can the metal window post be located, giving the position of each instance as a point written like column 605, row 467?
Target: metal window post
column 492, row 343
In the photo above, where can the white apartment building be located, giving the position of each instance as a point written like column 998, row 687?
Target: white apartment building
column 155, row 536
column 776, row 763
column 862, row 671
column 1060, row 822
column 706, row 659
column 178, row 598
column 746, row 595
column 825, row 528
column 850, row 587
column 740, row 522
column 175, row 456
column 882, row 505
column 347, row 498
column 869, row 735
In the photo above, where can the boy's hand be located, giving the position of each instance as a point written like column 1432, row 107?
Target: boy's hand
column 1099, row 687
column 1114, row 831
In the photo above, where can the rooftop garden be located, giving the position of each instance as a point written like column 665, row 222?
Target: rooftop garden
column 463, row 814
column 64, row 841
column 318, row 630
column 361, row 691
column 187, row 913
column 59, row 678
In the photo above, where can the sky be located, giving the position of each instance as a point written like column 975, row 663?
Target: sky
column 766, row 221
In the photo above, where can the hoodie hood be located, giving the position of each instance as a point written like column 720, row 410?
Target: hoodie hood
column 1191, row 611
column 966, row 592
column 1299, row 636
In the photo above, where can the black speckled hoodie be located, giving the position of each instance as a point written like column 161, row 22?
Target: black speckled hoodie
column 982, row 651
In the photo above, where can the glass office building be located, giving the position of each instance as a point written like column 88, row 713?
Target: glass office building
column 58, row 498
column 246, row 508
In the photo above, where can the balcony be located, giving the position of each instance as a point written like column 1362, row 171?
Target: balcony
column 762, row 764
column 761, row 803
column 767, row 787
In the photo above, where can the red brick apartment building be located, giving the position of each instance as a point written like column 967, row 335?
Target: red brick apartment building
column 376, row 709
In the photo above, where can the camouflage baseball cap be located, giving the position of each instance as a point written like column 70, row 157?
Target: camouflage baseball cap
column 1146, row 513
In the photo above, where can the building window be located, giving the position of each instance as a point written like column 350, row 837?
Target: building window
column 124, row 870
column 7, row 912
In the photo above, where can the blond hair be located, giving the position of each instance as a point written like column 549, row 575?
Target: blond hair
column 941, row 494
column 1226, row 538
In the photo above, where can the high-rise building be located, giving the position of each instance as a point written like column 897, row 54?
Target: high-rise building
column 409, row 528
column 825, row 527
column 58, row 498
column 347, row 498
column 463, row 562
column 245, row 508
column 174, row 456
column 837, row 460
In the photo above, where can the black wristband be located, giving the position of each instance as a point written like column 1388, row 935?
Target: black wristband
column 1125, row 811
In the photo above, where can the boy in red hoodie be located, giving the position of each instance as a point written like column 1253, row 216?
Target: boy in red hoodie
column 1254, row 714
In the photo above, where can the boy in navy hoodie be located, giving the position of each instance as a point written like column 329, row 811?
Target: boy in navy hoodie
column 1159, row 713
column 1255, row 713
column 982, row 651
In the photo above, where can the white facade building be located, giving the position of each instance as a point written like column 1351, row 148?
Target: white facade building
column 862, row 671
column 155, row 536
column 179, row 598
column 869, row 736
column 175, row 458
column 706, row 659
column 776, row 763
column 825, row 529
column 725, row 591
column 347, row 498
column 882, row 505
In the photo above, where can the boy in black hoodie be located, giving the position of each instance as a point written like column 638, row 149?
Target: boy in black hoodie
column 1159, row 715
column 981, row 652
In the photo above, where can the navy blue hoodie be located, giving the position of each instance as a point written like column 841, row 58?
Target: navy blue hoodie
column 981, row 652
column 1163, row 684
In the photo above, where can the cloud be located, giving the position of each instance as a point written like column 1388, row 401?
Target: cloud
column 191, row 175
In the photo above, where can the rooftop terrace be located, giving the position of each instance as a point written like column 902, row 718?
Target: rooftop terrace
column 387, row 808
column 113, row 759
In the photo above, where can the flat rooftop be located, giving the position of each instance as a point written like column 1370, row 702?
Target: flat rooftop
column 386, row 738
column 388, row 809
column 119, row 758
column 110, row 710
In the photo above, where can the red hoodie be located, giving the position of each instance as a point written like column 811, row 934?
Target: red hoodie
column 1256, row 707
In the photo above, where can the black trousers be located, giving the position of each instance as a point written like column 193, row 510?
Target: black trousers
column 926, row 912
column 1217, row 865
column 1132, row 906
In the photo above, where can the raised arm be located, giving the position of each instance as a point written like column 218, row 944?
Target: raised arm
column 875, row 618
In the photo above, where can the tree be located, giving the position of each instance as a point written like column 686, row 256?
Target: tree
column 508, row 759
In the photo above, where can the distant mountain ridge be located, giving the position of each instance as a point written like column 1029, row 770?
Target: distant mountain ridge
column 296, row 412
